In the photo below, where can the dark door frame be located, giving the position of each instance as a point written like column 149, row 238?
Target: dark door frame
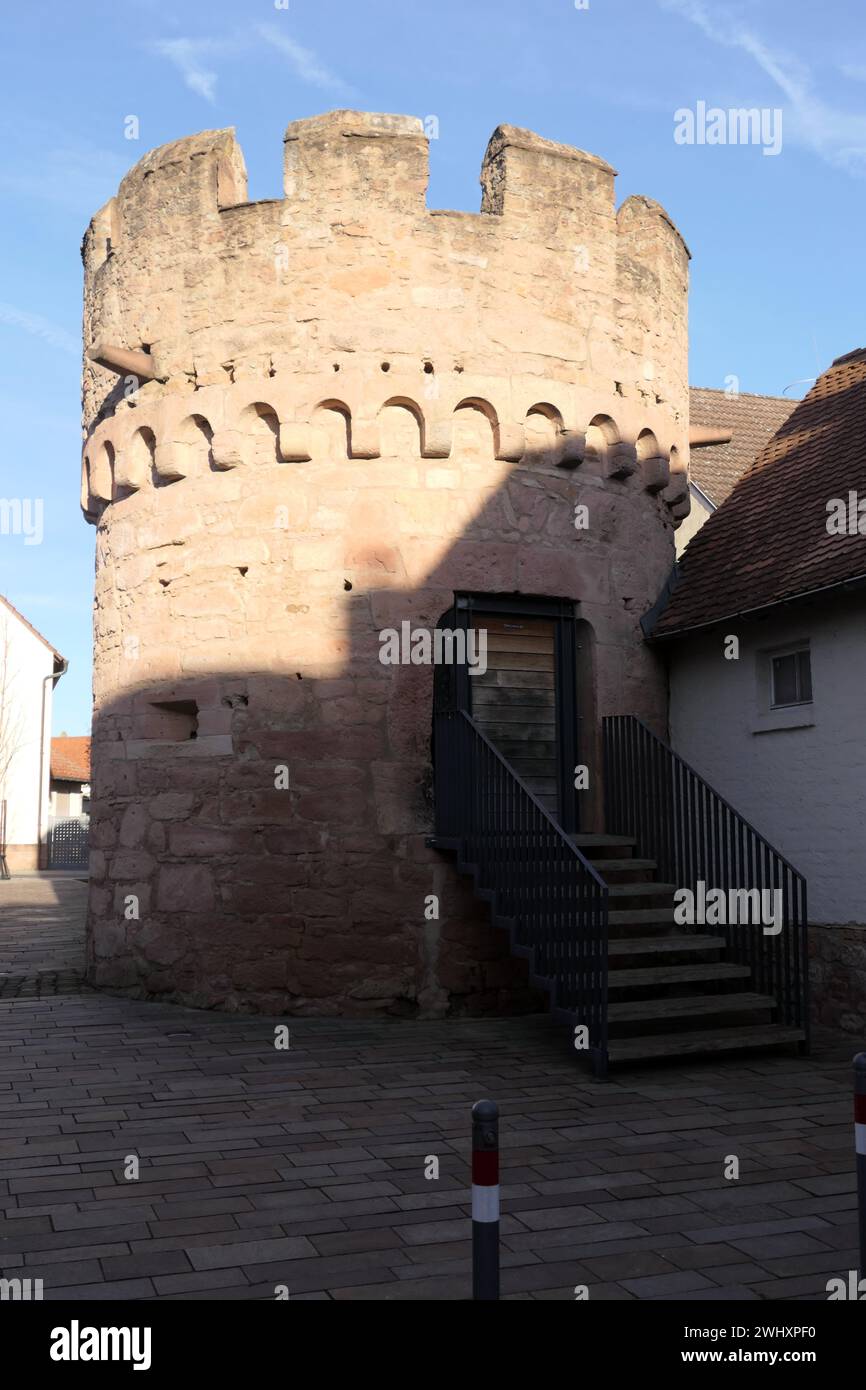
column 563, row 612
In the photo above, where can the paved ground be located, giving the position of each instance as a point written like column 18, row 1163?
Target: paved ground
column 305, row 1168
column 41, row 934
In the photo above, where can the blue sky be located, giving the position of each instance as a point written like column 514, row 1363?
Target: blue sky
column 777, row 240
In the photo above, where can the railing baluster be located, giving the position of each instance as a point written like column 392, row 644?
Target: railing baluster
column 538, row 875
column 560, row 903
column 694, row 834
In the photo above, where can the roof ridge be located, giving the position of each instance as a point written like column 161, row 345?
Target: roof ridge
column 753, row 395
column 855, row 355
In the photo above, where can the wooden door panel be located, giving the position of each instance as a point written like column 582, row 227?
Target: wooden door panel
column 514, row 701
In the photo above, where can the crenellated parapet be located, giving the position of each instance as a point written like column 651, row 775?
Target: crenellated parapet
column 547, row 292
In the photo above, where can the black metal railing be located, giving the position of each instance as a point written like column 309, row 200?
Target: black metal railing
column 695, row 836
column 536, row 877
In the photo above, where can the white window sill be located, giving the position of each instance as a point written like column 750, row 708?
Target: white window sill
column 795, row 717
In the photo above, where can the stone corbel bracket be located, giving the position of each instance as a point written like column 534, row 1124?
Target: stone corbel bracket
column 162, row 438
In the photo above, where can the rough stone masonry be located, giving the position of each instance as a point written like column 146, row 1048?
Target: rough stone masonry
column 311, row 418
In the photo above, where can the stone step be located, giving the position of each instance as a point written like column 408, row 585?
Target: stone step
column 703, row 1041
column 585, row 837
column 647, row 888
column 641, row 916
column 603, row 846
column 623, row 865
column 685, row 942
column 648, row 977
column 689, row 1006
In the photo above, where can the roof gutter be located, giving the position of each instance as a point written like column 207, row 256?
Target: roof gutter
column 858, row 582
column 61, row 666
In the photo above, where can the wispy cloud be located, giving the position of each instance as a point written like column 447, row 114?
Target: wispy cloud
column 197, row 59
column 40, row 327
column 836, row 135
column 304, row 62
column 190, row 57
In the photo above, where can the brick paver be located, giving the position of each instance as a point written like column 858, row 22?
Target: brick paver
column 41, row 935
column 305, row 1168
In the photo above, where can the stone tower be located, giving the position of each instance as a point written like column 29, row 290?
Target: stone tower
column 310, row 419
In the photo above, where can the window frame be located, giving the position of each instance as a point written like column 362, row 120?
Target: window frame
column 798, row 649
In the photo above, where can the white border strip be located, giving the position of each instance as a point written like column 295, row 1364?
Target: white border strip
column 485, row 1201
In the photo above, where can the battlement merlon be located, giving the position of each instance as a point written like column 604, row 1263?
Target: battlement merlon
column 528, row 178
column 365, row 159
column 189, row 179
column 356, row 159
column 653, row 282
column 198, row 175
column 648, row 234
column 351, row 254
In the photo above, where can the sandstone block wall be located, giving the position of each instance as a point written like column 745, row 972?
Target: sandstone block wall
column 351, row 408
column 837, row 976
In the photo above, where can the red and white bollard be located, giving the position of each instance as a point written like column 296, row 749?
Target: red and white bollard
column 860, row 1150
column 485, row 1200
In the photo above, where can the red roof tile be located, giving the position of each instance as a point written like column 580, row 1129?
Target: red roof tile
column 768, row 543
column 752, row 420
column 70, row 759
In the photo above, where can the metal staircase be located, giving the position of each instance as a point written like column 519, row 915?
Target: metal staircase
column 594, row 913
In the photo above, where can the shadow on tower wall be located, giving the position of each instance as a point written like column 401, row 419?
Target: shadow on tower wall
column 258, row 828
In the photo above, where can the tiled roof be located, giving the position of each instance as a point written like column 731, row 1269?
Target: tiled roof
column 20, row 616
column 768, row 543
column 752, row 420
column 70, row 759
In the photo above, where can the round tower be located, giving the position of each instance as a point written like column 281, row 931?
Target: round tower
column 309, row 421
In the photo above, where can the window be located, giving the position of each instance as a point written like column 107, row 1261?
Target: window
column 791, row 679
column 171, row 721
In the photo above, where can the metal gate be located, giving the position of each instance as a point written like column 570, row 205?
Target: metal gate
column 68, row 843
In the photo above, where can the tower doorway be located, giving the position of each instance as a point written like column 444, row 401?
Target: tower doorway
column 523, row 694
